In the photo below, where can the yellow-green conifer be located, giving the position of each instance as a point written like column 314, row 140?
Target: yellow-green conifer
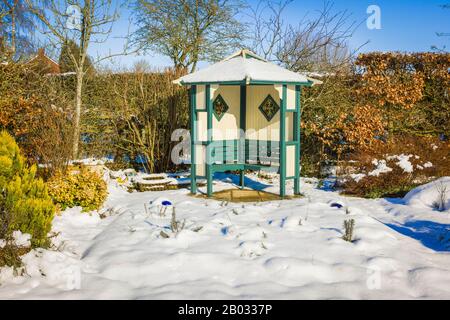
column 24, row 201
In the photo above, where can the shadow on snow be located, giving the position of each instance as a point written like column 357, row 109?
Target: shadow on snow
column 433, row 235
column 234, row 179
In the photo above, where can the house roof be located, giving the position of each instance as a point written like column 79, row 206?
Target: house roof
column 244, row 66
column 44, row 62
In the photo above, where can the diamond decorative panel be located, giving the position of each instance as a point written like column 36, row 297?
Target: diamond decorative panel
column 220, row 107
column 269, row 108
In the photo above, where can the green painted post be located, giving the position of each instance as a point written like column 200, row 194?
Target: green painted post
column 209, row 113
column 283, row 142
column 297, row 140
column 243, row 126
column 193, row 120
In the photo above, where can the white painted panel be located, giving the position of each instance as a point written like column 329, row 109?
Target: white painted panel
column 290, row 161
column 257, row 125
column 289, row 126
column 279, row 89
column 290, row 98
column 214, row 88
column 202, row 126
column 200, row 98
column 228, row 127
column 200, row 160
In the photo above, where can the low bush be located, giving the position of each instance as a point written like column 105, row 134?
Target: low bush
column 24, row 201
column 391, row 184
column 81, row 187
column 394, row 168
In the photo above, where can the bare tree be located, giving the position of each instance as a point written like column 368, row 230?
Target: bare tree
column 442, row 34
column 84, row 22
column 268, row 26
column 187, row 31
column 319, row 42
column 318, row 46
column 16, row 26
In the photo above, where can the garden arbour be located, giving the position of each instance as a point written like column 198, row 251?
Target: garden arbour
column 245, row 115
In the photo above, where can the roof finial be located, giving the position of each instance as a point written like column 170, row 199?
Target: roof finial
column 245, row 53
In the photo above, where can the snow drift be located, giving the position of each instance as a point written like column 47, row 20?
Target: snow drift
column 429, row 195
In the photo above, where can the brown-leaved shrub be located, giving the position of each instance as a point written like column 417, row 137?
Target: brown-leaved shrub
column 424, row 159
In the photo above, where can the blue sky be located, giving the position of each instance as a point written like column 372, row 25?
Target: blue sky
column 406, row 25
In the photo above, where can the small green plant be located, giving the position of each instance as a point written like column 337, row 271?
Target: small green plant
column 10, row 255
column 82, row 188
column 175, row 225
column 320, row 184
column 440, row 203
column 349, row 225
column 24, row 201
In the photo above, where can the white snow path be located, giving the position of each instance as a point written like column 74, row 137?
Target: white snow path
column 250, row 251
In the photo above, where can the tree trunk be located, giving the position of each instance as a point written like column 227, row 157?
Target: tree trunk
column 194, row 66
column 76, row 122
column 13, row 28
column 172, row 127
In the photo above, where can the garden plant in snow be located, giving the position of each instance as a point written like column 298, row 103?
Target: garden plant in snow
column 440, row 203
column 175, row 225
column 24, row 201
column 348, row 230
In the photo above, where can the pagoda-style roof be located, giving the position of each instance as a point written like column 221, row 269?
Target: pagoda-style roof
column 244, row 67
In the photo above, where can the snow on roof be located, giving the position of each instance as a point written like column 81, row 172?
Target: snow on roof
column 243, row 66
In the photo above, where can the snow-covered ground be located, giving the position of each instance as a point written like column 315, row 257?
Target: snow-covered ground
column 290, row 249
